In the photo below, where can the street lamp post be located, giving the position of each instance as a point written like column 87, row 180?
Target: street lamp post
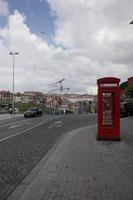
column 13, row 54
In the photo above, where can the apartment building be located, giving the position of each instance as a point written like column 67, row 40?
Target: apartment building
column 33, row 96
column 6, row 96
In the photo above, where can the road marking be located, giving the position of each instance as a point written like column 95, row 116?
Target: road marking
column 12, row 123
column 22, row 131
column 15, row 126
column 58, row 122
column 50, row 127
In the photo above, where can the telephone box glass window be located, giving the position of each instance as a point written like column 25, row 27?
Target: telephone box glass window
column 108, row 108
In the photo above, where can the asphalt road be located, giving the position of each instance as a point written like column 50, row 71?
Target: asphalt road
column 23, row 142
column 12, row 127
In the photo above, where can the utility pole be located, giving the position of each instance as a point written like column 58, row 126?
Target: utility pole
column 13, row 54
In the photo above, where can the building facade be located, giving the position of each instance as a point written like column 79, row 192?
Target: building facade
column 130, row 81
column 6, row 96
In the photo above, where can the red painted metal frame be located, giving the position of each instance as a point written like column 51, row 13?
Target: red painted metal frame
column 108, row 108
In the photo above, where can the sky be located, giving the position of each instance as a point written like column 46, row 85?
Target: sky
column 76, row 40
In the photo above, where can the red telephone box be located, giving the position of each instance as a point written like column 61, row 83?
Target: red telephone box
column 108, row 109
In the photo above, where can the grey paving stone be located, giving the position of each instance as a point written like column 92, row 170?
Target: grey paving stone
column 82, row 168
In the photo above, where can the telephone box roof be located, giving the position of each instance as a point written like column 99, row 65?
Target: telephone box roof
column 108, row 80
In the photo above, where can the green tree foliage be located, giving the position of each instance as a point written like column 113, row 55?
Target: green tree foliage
column 124, row 85
column 129, row 91
column 25, row 106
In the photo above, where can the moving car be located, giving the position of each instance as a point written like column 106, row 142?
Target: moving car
column 33, row 112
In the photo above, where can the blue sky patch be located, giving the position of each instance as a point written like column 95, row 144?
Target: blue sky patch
column 38, row 15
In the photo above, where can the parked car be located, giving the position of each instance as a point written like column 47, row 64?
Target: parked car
column 33, row 112
column 126, row 109
column 130, row 108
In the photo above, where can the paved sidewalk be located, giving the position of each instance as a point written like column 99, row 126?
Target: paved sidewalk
column 79, row 167
column 9, row 116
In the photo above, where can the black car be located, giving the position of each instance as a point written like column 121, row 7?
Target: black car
column 33, row 112
column 130, row 109
column 126, row 109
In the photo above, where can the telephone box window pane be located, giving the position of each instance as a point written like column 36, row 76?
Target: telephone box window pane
column 108, row 108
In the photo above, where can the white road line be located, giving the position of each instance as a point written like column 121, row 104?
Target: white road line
column 12, row 123
column 58, row 122
column 22, row 131
column 15, row 126
column 50, row 127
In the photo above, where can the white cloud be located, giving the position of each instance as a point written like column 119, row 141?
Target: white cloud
column 79, row 21
column 96, row 38
column 99, row 31
column 3, row 8
column 35, row 66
